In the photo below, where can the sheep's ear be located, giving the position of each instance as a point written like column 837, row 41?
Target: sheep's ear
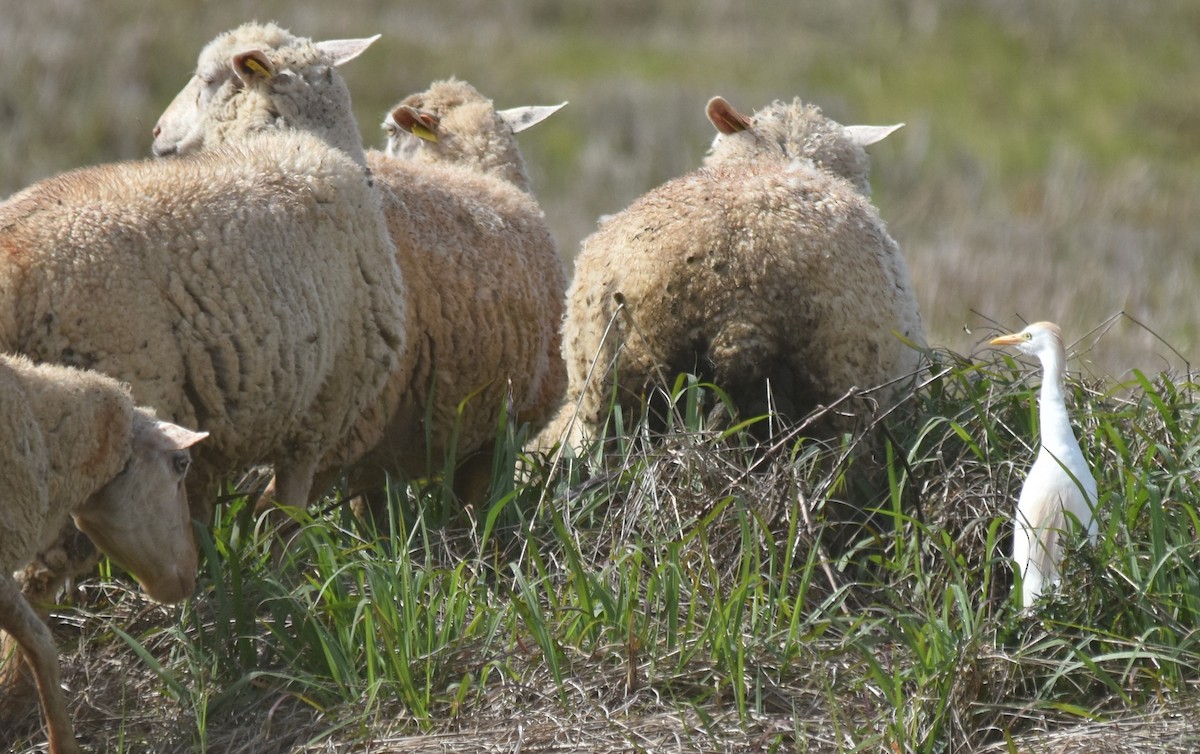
column 521, row 118
column 867, row 135
column 174, row 437
column 420, row 124
column 724, row 117
column 344, row 50
column 251, row 65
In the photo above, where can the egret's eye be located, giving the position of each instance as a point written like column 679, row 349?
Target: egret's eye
column 1028, row 336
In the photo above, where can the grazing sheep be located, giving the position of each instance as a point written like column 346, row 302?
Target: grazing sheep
column 73, row 445
column 767, row 272
column 250, row 291
column 452, row 123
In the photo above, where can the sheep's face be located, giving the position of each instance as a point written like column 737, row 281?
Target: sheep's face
column 786, row 133
column 207, row 99
column 261, row 78
column 140, row 518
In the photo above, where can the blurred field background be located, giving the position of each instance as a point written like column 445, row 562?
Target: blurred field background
column 1048, row 170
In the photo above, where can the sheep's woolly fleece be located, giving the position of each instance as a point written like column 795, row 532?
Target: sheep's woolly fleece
column 24, row 470
column 759, row 268
column 249, row 291
column 486, row 297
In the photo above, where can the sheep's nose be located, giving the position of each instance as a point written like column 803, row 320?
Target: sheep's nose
column 172, row 584
column 157, row 130
column 176, row 586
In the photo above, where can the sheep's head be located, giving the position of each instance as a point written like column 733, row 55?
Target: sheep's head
column 452, row 122
column 257, row 78
column 140, row 518
column 783, row 133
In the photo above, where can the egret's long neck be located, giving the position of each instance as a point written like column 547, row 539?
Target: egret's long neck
column 1052, row 407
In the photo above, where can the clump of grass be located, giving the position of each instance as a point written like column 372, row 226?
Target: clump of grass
column 692, row 581
column 968, row 662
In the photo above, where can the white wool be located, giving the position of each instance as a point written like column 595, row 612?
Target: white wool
column 767, row 267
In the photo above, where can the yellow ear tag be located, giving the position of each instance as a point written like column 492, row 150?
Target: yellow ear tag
column 422, row 132
column 257, row 67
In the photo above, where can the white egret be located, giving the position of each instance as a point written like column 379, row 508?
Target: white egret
column 1060, row 481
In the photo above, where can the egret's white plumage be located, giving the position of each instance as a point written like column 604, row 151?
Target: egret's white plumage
column 1060, row 481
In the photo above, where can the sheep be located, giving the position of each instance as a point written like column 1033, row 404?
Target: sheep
column 452, row 123
column 767, row 272
column 260, row 80
column 72, row 444
column 486, row 289
column 486, row 313
column 250, row 290
column 484, row 279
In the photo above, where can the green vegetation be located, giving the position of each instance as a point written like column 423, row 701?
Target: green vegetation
column 697, row 585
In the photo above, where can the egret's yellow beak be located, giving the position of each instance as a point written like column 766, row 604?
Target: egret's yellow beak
column 1011, row 339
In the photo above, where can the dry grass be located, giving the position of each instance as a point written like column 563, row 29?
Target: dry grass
column 1162, row 729
column 690, row 594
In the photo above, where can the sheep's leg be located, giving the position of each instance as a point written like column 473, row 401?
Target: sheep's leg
column 321, row 483
column 268, row 497
column 72, row 554
column 367, row 491
column 22, row 623
column 473, row 478
column 562, row 428
column 746, row 364
column 18, row 689
column 290, row 486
